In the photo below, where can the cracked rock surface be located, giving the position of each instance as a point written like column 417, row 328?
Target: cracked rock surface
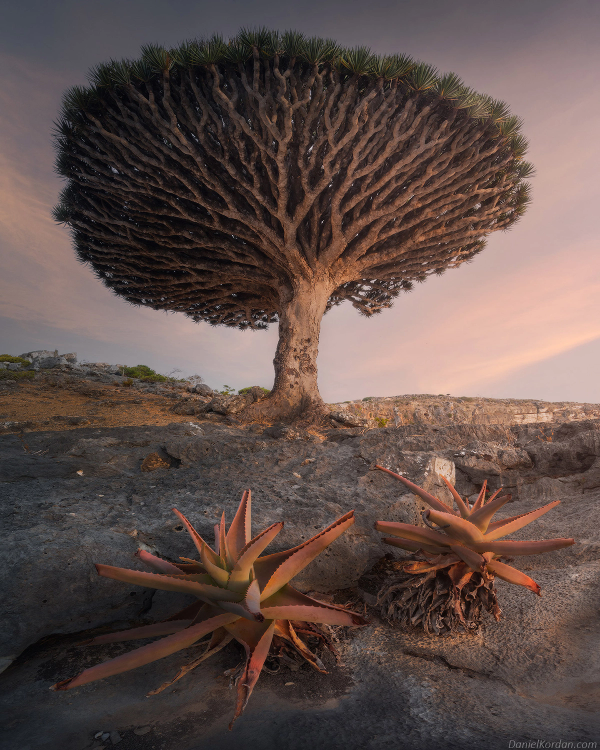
column 79, row 496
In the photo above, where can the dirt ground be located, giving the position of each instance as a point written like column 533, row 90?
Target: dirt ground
column 59, row 404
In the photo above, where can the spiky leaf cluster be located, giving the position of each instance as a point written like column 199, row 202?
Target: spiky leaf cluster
column 241, row 596
column 468, row 536
column 206, row 178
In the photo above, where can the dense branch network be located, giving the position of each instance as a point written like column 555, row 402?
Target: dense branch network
column 209, row 189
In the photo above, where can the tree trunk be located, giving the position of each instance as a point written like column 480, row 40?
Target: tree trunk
column 295, row 390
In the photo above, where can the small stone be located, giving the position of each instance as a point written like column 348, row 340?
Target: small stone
column 153, row 461
column 115, row 737
column 299, row 476
column 105, row 736
column 80, row 473
column 287, row 684
column 98, row 735
column 142, row 730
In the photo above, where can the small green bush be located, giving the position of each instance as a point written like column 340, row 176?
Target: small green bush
column 144, row 373
column 16, row 375
column 128, row 383
column 243, row 391
column 368, row 398
column 14, row 360
column 382, row 421
column 227, row 391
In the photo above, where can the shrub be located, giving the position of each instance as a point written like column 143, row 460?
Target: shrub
column 16, row 375
column 243, row 391
column 241, row 596
column 451, row 580
column 381, row 421
column 144, row 373
column 368, row 398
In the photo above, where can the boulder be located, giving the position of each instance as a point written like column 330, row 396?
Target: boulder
column 350, row 419
column 227, row 405
column 43, row 359
column 201, row 389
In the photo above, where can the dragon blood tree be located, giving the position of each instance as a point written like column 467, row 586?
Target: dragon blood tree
column 267, row 178
column 450, row 580
column 241, row 596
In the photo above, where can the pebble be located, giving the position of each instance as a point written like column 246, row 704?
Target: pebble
column 115, row 737
column 142, row 730
column 287, row 684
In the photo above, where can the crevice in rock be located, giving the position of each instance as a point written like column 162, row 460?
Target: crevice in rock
column 473, row 673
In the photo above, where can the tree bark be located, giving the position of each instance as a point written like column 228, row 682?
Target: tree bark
column 295, row 390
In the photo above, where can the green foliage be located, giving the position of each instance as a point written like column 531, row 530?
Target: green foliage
column 368, row 398
column 227, row 391
column 423, row 77
column 14, row 360
column 128, row 383
column 382, row 421
column 17, row 375
column 144, row 373
column 243, row 391
column 157, row 61
column 359, row 61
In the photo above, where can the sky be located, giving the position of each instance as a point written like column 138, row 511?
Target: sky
column 520, row 321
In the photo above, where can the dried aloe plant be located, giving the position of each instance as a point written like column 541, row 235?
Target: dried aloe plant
column 451, row 580
column 240, row 595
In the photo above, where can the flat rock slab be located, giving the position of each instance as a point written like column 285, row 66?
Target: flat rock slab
column 80, row 496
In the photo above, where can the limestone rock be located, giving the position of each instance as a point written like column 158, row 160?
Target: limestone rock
column 227, row 405
column 350, row 419
column 79, row 497
column 201, row 389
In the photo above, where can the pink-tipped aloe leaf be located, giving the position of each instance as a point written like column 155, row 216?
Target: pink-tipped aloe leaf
column 413, row 546
column 482, row 517
column 519, row 523
column 458, row 528
column 252, row 598
column 197, row 539
column 249, row 553
column 429, row 499
column 187, row 616
column 156, row 564
column 198, row 585
column 146, row 631
column 216, row 572
column 146, row 654
column 510, row 547
column 512, row 575
column 239, row 533
column 273, row 571
column 290, row 604
column 257, row 651
column 480, row 498
column 462, row 506
column 224, row 551
column 474, row 560
column 414, row 533
column 249, row 607
column 189, row 566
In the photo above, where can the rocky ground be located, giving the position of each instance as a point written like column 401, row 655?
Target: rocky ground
column 79, row 494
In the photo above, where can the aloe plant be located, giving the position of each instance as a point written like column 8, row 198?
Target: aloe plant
column 241, row 596
column 467, row 545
